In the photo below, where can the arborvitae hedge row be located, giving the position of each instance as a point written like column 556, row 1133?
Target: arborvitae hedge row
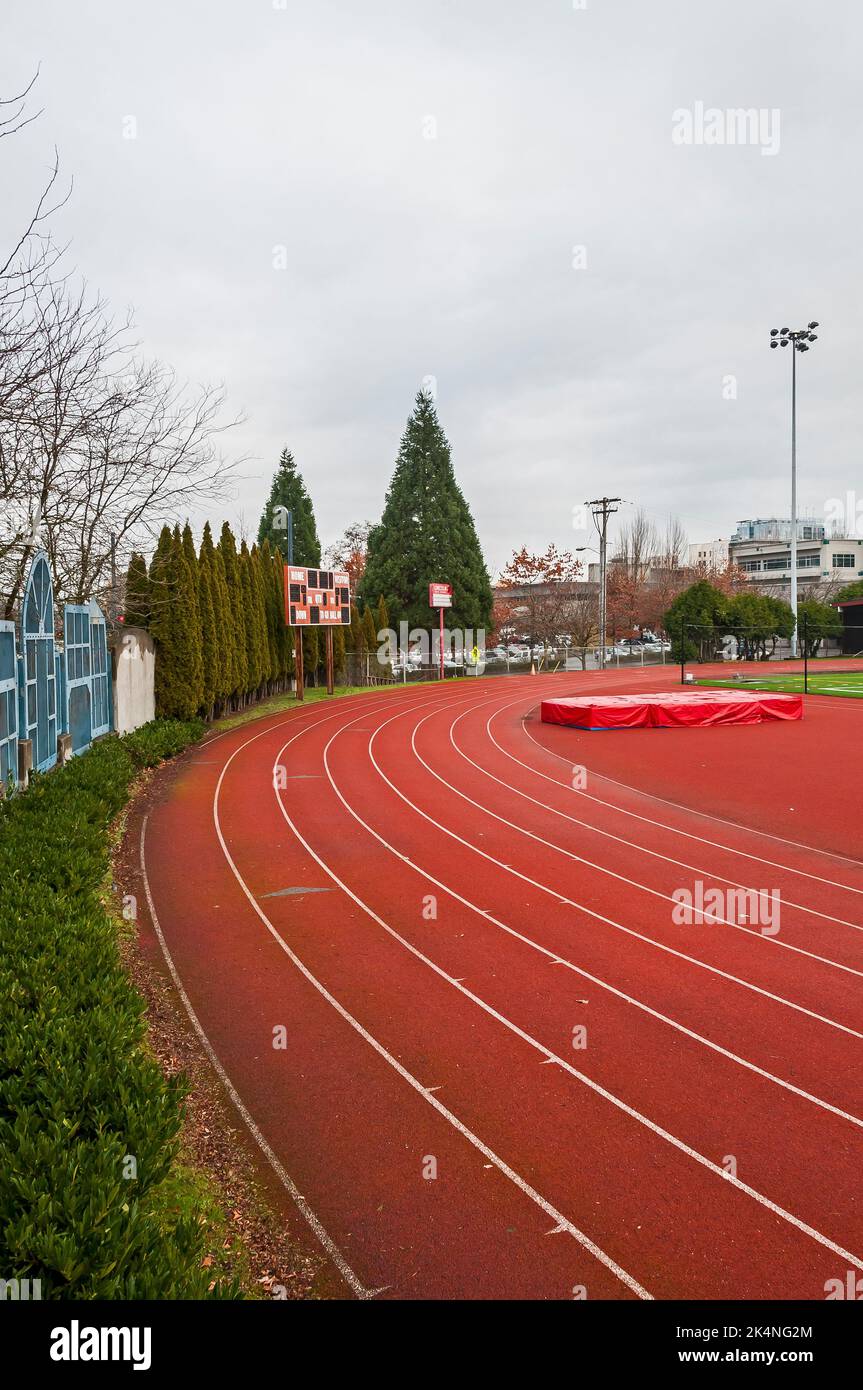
column 79, row 1091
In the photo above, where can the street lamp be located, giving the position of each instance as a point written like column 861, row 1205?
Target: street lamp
column 800, row 340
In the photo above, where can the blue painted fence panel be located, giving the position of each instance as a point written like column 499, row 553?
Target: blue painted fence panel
column 8, row 705
column 37, row 703
column 45, row 689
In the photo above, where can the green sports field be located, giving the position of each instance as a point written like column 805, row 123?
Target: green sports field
column 848, row 683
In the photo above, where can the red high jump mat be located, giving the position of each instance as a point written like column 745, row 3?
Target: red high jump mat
column 692, row 709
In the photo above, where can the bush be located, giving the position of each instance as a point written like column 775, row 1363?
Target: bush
column 79, row 1093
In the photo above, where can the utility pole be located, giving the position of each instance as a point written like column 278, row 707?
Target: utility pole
column 602, row 508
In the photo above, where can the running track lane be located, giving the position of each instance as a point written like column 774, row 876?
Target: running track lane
column 619, row 1148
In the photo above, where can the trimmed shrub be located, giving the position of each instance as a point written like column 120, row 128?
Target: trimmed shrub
column 82, row 1102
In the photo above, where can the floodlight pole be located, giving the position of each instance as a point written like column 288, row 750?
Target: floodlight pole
column 800, row 340
column 794, row 500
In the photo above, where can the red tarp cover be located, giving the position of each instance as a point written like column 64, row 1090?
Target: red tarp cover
column 687, row 708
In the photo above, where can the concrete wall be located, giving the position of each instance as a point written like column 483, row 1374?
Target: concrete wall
column 134, row 668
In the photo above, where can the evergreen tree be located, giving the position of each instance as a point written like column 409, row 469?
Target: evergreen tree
column 338, row 654
column 136, row 607
column 175, row 628
column 695, row 612
column 284, row 633
column 382, row 616
column 230, row 561
column 188, row 543
column 357, row 646
column 248, row 619
column 259, row 611
column 158, row 578
column 224, row 627
column 370, row 641
column 288, row 492
column 271, row 612
column 426, row 534
column 209, row 635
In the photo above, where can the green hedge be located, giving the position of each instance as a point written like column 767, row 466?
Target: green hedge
column 79, row 1091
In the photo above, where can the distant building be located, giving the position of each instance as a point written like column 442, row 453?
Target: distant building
column 852, row 626
column 710, row 555
column 762, row 550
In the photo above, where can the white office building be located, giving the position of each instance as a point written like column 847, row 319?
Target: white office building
column 709, row 555
column 762, row 550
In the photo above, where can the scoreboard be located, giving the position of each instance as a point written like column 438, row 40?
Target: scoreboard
column 317, row 598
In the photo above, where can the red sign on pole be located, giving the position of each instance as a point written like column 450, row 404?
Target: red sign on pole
column 440, row 596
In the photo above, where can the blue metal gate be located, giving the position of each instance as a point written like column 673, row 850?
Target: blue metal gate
column 38, row 686
column 8, row 706
column 87, row 678
column 79, row 696
column 100, row 671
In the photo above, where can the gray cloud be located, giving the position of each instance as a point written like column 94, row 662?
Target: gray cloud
column 304, row 128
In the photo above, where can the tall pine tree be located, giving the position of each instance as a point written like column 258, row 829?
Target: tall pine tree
column 289, row 493
column 231, row 564
column 136, row 606
column 426, row 534
column 175, row 626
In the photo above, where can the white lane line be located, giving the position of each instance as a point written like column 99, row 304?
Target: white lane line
column 609, row 921
column 546, row 1052
column 656, row 854
column 692, row 811
column 335, row 1254
column 378, row 1047
column 654, row 824
column 556, row 959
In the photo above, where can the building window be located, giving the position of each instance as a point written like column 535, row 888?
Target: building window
column 843, row 562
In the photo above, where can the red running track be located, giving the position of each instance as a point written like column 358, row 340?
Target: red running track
column 507, row 1071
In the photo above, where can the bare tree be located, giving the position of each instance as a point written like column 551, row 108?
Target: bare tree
column 98, row 448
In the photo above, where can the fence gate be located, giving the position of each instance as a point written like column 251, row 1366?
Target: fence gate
column 100, row 671
column 8, row 706
column 38, row 685
column 87, row 680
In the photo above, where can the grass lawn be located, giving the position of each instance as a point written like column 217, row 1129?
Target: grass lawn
column 288, row 701
column 848, row 683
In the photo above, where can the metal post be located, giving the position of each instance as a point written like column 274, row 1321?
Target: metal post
column 805, row 658
column 330, row 662
column 298, row 663
column 682, row 652
column 794, row 495
column 441, row 644
column 113, row 610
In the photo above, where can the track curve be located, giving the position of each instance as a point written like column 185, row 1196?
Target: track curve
column 442, row 976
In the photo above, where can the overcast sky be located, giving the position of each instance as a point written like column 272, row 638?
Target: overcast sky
column 429, row 167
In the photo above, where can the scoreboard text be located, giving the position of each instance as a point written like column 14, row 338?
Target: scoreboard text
column 317, row 598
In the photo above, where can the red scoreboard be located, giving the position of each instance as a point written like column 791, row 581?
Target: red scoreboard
column 317, row 598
